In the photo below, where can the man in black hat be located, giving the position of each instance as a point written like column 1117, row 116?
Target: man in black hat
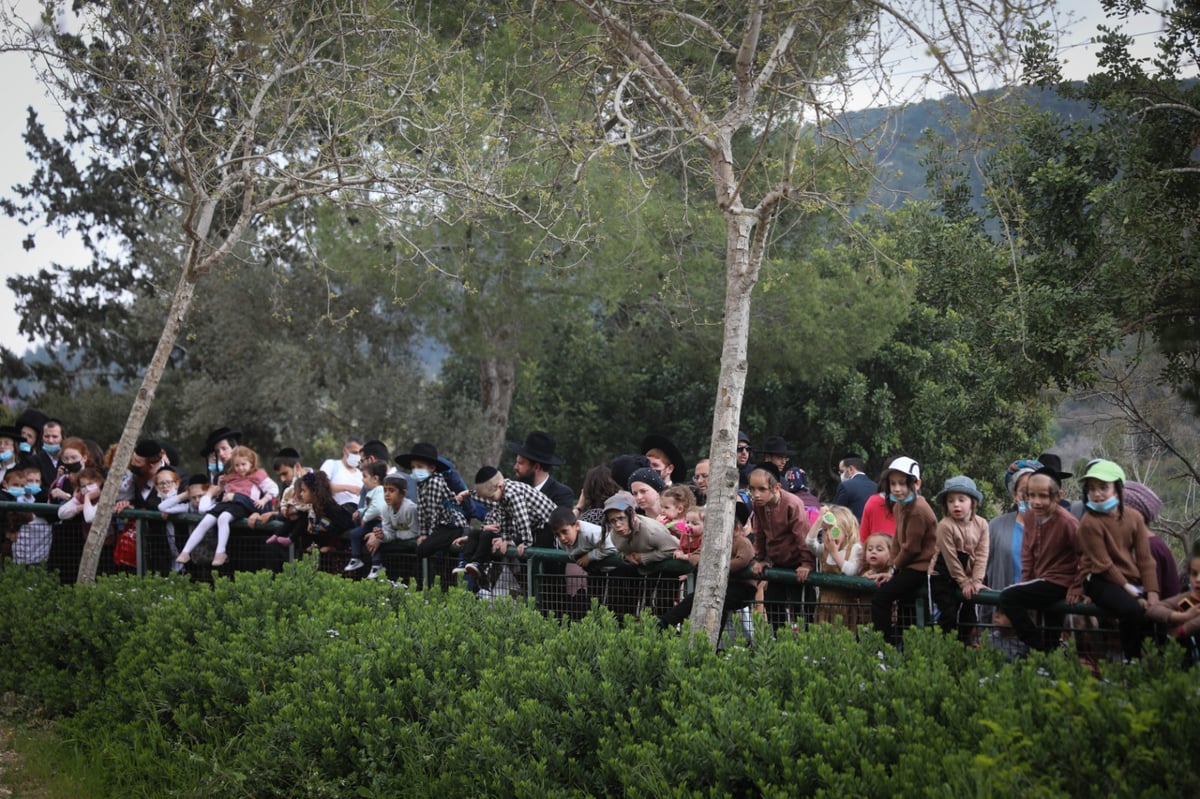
column 532, row 466
column 138, row 483
column 665, row 458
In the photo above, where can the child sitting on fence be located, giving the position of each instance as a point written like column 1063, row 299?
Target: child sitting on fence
column 1050, row 563
column 1120, row 573
column 370, row 509
column 327, row 520
column 397, row 522
column 1181, row 613
column 913, row 548
column 957, row 573
column 245, row 489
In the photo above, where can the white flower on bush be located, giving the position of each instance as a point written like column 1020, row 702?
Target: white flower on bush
column 332, row 633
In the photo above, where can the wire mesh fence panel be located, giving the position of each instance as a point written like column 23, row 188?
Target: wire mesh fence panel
column 145, row 543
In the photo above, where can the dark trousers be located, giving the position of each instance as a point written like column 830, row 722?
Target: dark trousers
column 1017, row 600
column 780, row 598
column 904, row 586
column 737, row 596
column 955, row 614
column 441, row 538
column 1131, row 616
column 478, row 548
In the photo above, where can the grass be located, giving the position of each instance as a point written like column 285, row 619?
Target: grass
column 36, row 763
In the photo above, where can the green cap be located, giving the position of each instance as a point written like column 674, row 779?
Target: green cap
column 1106, row 471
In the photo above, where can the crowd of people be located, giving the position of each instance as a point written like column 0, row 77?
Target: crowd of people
column 640, row 510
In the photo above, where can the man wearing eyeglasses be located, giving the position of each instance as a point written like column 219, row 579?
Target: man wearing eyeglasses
column 743, row 460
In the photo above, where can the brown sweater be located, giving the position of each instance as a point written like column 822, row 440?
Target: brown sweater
column 1118, row 549
column 971, row 537
column 915, row 544
column 780, row 532
column 1050, row 549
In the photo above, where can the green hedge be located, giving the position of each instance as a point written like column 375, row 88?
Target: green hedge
column 305, row 684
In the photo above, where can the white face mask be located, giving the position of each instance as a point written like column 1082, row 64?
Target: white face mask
column 353, row 460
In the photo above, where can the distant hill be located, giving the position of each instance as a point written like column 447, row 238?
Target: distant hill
column 901, row 134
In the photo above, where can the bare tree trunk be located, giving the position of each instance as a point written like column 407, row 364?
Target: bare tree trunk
column 743, row 261
column 497, row 379
column 180, row 303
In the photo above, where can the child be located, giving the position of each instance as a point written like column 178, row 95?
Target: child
column 956, row 574
column 673, row 507
column 398, row 522
column 877, row 555
column 245, row 489
column 289, row 470
column 72, row 458
column 327, row 520
column 83, row 500
column 835, row 544
column 693, row 533
column 8, row 446
column 1119, row 571
column 1181, row 613
column 913, row 548
column 441, row 519
column 370, row 508
column 584, row 542
column 30, row 534
column 194, row 499
column 1050, row 563
column 166, row 491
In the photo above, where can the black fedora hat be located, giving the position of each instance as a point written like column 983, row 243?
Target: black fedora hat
column 221, row 433
column 1054, row 464
column 423, row 452
column 661, row 442
column 776, row 445
column 10, row 432
column 538, row 447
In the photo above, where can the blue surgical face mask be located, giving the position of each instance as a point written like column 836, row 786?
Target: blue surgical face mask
column 51, row 449
column 25, row 447
column 32, row 488
column 15, row 491
column 1022, row 506
column 904, row 501
column 1105, row 506
column 6, row 456
column 420, row 475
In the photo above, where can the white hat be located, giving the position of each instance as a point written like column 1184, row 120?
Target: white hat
column 906, row 465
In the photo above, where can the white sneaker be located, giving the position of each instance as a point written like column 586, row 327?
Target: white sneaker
column 354, row 565
column 377, row 571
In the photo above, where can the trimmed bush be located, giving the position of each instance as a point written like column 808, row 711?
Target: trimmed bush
column 305, row 684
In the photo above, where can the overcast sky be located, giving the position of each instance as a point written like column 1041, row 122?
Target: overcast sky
column 21, row 90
